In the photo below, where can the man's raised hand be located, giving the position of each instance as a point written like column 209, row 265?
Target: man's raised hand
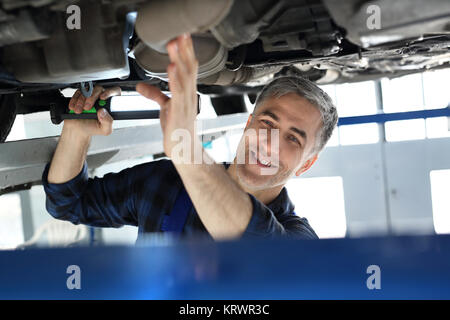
column 180, row 111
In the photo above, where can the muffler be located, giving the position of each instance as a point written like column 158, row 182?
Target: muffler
column 160, row 21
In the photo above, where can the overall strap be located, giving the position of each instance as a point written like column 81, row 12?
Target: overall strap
column 177, row 219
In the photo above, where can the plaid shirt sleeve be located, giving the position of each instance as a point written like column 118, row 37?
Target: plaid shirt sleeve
column 264, row 223
column 99, row 202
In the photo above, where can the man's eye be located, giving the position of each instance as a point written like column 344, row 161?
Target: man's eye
column 267, row 122
column 294, row 139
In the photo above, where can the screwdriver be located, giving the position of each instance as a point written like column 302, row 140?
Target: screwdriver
column 61, row 111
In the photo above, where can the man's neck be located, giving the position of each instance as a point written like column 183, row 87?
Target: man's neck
column 266, row 196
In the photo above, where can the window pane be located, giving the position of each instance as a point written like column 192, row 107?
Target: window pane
column 11, row 231
column 358, row 134
column 402, row 94
column 405, row 130
column 355, row 99
column 438, row 127
column 440, row 185
column 435, row 88
column 327, row 218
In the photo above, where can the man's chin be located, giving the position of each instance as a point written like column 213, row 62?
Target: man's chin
column 251, row 176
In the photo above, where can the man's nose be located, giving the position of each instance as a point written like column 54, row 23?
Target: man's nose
column 269, row 143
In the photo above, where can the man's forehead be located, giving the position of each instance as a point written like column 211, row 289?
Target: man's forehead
column 290, row 106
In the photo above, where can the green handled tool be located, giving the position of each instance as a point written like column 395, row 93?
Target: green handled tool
column 60, row 111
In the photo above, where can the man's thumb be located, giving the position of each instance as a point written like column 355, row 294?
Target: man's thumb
column 105, row 120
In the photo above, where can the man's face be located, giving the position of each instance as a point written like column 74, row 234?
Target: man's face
column 267, row 166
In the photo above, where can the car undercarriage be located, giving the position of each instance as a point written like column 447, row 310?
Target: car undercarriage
column 50, row 45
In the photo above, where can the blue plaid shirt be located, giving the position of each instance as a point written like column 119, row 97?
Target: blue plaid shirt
column 141, row 196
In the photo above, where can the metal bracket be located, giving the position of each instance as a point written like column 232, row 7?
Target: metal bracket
column 87, row 92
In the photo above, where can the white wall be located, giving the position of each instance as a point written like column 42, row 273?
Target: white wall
column 401, row 204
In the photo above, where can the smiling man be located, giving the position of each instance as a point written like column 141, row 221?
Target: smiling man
column 246, row 198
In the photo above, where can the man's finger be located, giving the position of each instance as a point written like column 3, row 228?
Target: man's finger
column 111, row 92
column 89, row 102
column 74, row 99
column 186, row 52
column 152, row 92
column 181, row 71
column 175, row 81
column 79, row 104
column 162, row 118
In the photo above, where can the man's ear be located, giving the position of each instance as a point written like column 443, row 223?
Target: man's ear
column 306, row 165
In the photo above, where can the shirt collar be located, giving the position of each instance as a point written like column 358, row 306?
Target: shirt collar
column 282, row 204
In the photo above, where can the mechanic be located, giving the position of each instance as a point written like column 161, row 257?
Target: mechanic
column 219, row 201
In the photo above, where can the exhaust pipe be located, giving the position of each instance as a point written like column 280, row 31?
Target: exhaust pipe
column 154, row 28
column 210, row 54
column 161, row 20
column 240, row 76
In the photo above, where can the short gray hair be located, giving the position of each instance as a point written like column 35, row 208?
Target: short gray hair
column 310, row 91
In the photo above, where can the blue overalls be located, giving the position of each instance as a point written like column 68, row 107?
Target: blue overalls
column 175, row 222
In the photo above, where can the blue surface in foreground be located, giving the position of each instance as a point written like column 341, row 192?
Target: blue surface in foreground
column 411, row 268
